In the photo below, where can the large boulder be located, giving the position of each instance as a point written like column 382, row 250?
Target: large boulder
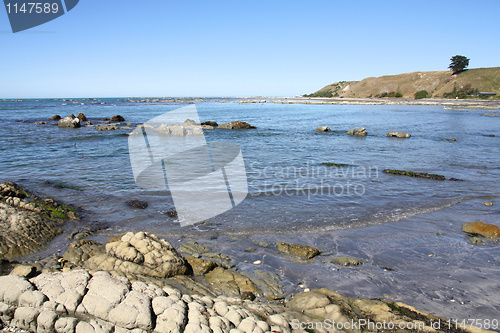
column 69, row 122
column 140, row 254
column 236, row 125
column 359, row 132
column 482, row 229
column 394, row 134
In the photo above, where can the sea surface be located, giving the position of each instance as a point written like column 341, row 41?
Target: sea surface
column 290, row 189
column 406, row 231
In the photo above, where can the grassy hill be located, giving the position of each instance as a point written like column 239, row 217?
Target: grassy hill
column 438, row 84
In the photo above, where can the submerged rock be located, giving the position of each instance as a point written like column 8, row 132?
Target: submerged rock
column 236, row 125
column 416, row 174
column 359, row 132
column 322, row 129
column 138, row 204
column 394, row 134
column 298, row 250
column 482, row 229
column 40, row 123
column 140, row 254
column 347, row 261
column 488, row 203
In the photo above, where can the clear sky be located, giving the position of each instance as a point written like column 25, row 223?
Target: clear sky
column 120, row 48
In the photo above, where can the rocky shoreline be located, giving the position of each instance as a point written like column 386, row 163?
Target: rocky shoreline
column 140, row 283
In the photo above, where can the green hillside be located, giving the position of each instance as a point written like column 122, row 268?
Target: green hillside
column 438, row 84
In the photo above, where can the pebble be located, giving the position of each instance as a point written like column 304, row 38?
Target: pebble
column 257, row 262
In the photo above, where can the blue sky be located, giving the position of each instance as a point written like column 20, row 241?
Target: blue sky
column 111, row 48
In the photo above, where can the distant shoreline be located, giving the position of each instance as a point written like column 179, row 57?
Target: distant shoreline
column 468, row 103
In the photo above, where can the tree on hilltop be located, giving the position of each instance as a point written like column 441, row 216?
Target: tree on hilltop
column 458, row 64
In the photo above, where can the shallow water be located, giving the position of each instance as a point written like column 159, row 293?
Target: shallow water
column 289, row 187
column 354, row 210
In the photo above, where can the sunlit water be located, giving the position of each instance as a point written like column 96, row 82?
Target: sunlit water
column 407, row 231
column 290, row 190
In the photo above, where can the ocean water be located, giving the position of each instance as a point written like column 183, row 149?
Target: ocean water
column 406, row 231
column 290, row 189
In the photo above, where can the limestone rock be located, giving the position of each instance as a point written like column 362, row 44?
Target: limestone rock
column 481, row 228
column 359, row 132
column 107, row 127
column 269, row 283
column 66, row 288
column 140, row 254
column 223, row 281
column 80, row 251
column 24, row 270
column 322, row 129
column 298, row 250
column 69, row 122
column 200, row 266
column 194, row 248
column 27, row 222
column 394, row 134
column 236, row 125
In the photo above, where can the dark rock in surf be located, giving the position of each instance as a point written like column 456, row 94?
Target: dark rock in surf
column 137, row 204
column 82, row 117
column 236, row 125
column 55, row 117
column 210, row 123
column 415, row 174
column 117, row 118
